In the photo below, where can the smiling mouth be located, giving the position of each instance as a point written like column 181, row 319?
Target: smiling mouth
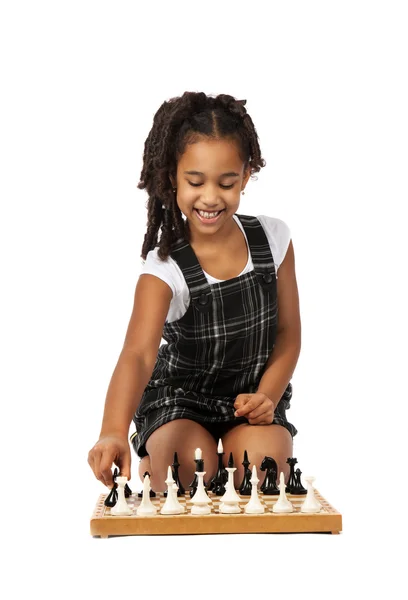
column 209, row 214
column 208, row 218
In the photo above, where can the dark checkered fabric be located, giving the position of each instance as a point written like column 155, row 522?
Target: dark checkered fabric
column 218, row 348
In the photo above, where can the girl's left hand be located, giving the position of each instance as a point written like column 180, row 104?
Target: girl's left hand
column 257, row 408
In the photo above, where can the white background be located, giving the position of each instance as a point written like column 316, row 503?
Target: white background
column 326, row 86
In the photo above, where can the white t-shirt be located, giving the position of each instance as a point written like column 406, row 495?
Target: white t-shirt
column 277, row 232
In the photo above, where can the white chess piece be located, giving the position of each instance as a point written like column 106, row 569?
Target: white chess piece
column 172, row 506
column 254, row 506
column 121, row 507
column 200, row 500
column 283, row 505
column 230, row 500
column 146, row 506
column 311, row 504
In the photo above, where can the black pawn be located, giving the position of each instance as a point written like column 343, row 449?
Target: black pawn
column 298, row 490
column 152, row 494
column 245, row 489
column 175, row 467
column 269, row 487
column 291, row 485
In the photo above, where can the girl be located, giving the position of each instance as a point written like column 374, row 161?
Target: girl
column 210, row 288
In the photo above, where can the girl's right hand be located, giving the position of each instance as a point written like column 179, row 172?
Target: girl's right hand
column 107, row 450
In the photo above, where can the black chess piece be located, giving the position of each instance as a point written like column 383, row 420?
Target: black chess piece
column 298, row 489
column 199, row 469
column 290, row 486
column 181, row 491
column 152, row 494
column 216, row 484
column 174, row 471
column 269, row 487
column 112, row 497
column 245, row 489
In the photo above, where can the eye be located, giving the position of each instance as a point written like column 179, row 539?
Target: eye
column 224, row 187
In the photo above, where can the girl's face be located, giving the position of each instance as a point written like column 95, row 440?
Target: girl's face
column 210, row 178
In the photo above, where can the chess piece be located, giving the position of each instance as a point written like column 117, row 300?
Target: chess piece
column 230, row 500
column 219, row 480
column 298, row 489
column 175, row 467
column 254, row 506
column 180, row 491
column 194, row 483
column 112, row 497
column 200, row 499
column 152, row 494
column 172, row 506
column 121, row 507
column 283, row 505
column 128, row 491
column 269, row 487
column 146, row 507
column 245, row 489
column 291, row 480
column 311, row 504
column 217, row 483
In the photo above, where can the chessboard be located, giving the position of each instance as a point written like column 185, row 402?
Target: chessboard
column 104, row 524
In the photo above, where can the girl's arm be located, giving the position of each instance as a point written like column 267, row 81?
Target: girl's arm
column 138, row 356
column 283, row 359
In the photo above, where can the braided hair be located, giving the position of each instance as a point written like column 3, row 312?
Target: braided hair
column 178, row 122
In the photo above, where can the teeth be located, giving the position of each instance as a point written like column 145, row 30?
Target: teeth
column 208, row 215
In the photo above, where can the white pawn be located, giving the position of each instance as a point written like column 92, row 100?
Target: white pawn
column 146, row 506
column 172, row 506
column 121, row 507
column 311, row 504
column 283, row 505
column 254, row 506
column 230, row 500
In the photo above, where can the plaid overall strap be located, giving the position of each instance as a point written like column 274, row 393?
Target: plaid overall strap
column 198, row 285
column 262, row 258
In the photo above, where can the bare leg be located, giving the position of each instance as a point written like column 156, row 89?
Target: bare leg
column 182, row 436
column 144, row 466
column 259, row 441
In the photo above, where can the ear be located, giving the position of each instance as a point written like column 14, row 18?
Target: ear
column 247, row 175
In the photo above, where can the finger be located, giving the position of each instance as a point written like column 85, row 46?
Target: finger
column 124, row 466
column 265, row 419
column 91, row 461
column 240, row 400
column 97, row 455
column 265, row 407
column 250, row 405
column 106, row 469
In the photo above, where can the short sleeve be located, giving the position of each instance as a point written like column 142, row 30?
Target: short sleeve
column 164, row 270
column 279, row 236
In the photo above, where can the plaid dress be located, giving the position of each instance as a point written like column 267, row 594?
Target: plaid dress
column 218, row 348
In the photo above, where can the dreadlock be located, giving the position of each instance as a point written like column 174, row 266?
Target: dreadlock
column 178, row 122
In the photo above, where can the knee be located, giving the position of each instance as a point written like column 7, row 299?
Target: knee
column 144, row 465
column 182, row 436
column 186, row 470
